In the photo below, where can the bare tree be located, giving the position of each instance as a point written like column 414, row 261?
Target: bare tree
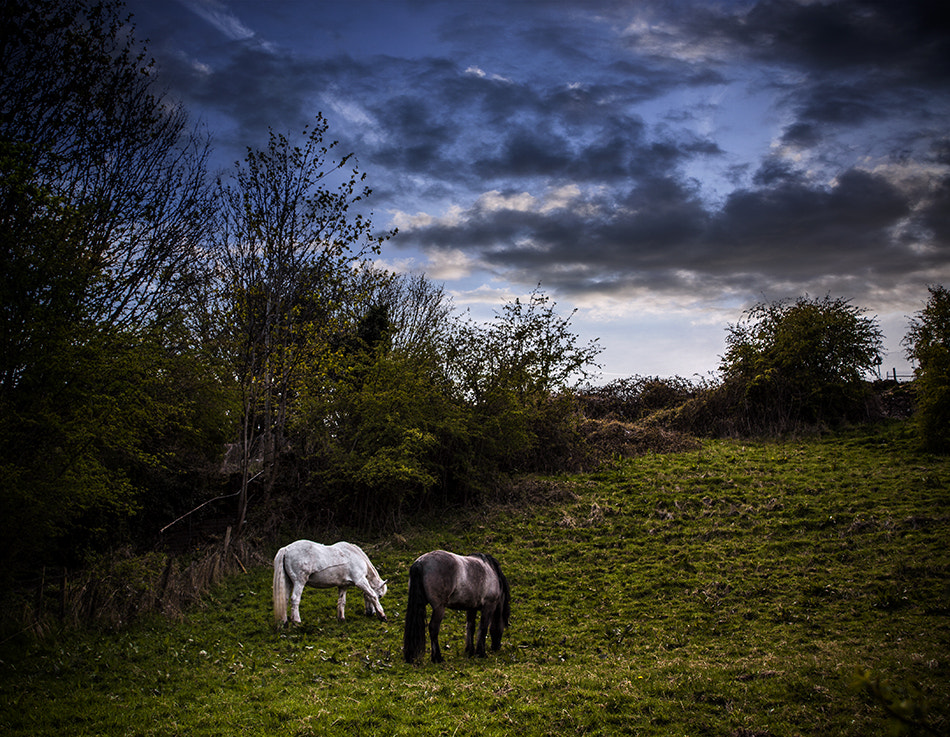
column 100, row 153
column 288, row 236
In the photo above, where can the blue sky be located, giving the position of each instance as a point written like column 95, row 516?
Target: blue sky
column 658, row 166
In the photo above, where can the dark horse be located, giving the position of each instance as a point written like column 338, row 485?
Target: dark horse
column 471, row 583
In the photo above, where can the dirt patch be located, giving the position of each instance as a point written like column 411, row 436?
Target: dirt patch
column 612, row 438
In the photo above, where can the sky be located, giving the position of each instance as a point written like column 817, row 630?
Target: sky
column 656, row 166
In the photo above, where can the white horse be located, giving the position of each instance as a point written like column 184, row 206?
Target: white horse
column 322, row 566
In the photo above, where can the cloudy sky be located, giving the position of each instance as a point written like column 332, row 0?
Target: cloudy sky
column 659, row 165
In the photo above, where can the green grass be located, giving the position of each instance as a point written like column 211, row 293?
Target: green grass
column 734, row 590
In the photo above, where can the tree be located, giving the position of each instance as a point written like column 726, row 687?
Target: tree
column 512, row 373
column 290, row 231
column 528, row 348
column 103, row 206
column 100, row 173
column 377, row 429
column 802, row 361
column 928, row 345
column 418, row 312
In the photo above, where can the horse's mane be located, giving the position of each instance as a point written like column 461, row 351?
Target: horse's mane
column 505, row 590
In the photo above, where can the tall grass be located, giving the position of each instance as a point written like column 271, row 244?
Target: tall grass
column 739, row 589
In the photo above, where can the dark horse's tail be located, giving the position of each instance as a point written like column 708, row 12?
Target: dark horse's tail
column 505, row 610
column 414, row 636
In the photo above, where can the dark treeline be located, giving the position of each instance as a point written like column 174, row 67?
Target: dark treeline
column 168, row 338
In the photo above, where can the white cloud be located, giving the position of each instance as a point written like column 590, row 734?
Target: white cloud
column 493, row 201
column 408, row 222
column 219, row 16
column 450, row 264
column 474, row 71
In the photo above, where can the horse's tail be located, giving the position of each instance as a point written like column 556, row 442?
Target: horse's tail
column 280, row 589
column 414, row 636
column 505, row 589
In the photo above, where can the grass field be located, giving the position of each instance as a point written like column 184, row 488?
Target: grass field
column 735, row 590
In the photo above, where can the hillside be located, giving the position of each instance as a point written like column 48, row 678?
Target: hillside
column 732, row 590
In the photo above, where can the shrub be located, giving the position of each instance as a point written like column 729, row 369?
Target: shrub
column 928, row 344
column 801, row 363
column 633, row 398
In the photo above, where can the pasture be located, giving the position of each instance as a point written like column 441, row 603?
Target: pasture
column 735, row 590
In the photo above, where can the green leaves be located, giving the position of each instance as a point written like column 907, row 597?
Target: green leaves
column 802, row 361
column 928, row 344
column 528, row 349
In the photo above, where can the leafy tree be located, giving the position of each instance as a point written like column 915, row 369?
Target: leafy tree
column 290, row 231
column 512, row 373
column 802, row 361
column 528, row 349
column 103, row 206
column 104, row 195
column 378, row 428
column 928, row 345
column 418, row 312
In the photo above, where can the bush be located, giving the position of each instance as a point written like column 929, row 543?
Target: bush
column 928, row 344
column 633, row 398
column 800, row 364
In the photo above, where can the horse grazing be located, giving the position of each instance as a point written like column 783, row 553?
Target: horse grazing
column 471, row 583
column 342, row 565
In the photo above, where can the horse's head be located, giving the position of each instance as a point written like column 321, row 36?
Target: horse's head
column 381, row 589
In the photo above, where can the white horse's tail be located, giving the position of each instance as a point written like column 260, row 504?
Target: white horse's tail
column 281, row 589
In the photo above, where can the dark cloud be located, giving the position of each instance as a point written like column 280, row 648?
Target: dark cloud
column 661, row 234
column 909, row 39
column 839, row 173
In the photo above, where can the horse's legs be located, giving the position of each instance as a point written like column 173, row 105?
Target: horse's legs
column 471, row 614
column 341, row 604
column 295, row 595
column 370, row 599
column 438, row 612
column 496, row 629
column 487, row 613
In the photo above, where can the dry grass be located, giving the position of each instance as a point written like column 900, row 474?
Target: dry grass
column 610, row 439
column 122, row 587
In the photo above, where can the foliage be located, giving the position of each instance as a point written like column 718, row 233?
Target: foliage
column 635, row 397
column 928, row 345
column 104, row 194
column 287, row 238
column 513, row 374
column 103, row 207
column 381, row 450
column 528, row 349
column 374, row 418
column 802, row 362
column 732, row 590
column 418, row 409
column 124, row 414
